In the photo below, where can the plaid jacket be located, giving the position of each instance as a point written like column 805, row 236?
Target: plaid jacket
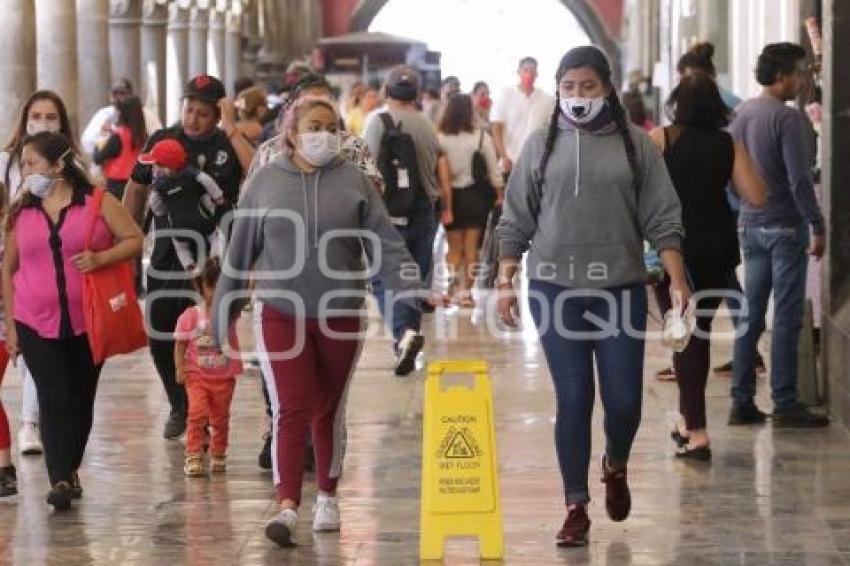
column 353, row 148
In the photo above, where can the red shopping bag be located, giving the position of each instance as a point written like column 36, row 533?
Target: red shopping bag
column 113, row 318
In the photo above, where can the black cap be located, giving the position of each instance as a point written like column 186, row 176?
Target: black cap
column 205, row 88
column 403, row 83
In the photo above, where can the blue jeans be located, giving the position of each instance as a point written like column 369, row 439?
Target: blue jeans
column 775, row 260
column 418, row 235
column 619, row 363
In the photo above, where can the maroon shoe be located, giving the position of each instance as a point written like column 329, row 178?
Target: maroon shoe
column 618, row 499
column 576, row 526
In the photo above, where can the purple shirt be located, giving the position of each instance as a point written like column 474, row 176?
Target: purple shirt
column 774, row 135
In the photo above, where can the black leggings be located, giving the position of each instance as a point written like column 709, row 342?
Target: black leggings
column 692, row 364
column 66, row 380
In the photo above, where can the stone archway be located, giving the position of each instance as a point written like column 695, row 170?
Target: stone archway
column 366, row 11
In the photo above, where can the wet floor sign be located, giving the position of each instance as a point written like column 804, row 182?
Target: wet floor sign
column 460, row 483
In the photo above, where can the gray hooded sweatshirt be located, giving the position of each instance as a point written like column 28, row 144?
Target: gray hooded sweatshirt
column 585, row 228
column 304, row 236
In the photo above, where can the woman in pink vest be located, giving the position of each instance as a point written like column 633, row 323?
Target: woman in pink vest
column 45, row 258
column 118, row 154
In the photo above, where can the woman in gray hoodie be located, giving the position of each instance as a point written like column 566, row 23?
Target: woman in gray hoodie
column 583, row 196
column 303, row 225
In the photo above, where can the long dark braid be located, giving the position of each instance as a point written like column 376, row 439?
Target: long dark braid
column 550, row 140
column 623, row 127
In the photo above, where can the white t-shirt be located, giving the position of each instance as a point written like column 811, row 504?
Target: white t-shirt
column 14, row 174
column 522, row 115
column 459, row 150
column 107, row 114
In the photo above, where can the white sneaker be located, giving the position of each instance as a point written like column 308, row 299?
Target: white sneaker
column 29, row 439
column 281, row 528
column 326, row 514
column 409, row 346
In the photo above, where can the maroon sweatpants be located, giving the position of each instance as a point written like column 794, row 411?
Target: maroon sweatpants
column 307, row 389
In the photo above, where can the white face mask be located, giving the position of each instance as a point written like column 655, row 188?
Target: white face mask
column 582, row 110
column 318, row 148
column 37, row 126
column 39, row 185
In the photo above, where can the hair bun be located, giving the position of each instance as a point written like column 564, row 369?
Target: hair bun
column 703, row 50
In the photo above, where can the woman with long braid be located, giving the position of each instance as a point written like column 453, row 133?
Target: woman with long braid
column 583, row 196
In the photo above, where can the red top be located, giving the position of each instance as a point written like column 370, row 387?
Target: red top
column 119, row 168
column 203, row 358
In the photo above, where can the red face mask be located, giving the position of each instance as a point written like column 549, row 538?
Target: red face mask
column 526, row 79
column 485, row 102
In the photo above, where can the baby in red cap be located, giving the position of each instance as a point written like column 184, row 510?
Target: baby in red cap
column 182, row 198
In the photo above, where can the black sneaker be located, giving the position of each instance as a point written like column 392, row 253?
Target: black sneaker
column 174, row 426
column 746, row 415
column 60, row 496
column 409, row 346
column 264, row 460
column 799, row 416
column 8, row 482
column 76, row 486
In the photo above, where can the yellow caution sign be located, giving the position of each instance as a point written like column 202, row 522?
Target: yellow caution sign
column 460, row 482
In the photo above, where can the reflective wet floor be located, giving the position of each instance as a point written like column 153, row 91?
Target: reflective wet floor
column 769, row 496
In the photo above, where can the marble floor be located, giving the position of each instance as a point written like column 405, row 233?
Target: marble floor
column 769, row 496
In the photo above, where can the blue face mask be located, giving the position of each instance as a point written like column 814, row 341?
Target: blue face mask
column 39, row 185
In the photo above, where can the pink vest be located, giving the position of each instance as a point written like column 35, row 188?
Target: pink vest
column 48, row 286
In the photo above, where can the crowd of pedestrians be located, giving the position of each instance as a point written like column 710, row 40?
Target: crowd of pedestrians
column 571, row 186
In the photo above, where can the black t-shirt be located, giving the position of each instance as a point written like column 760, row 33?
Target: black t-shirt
column 700, row 165
column 214, row 156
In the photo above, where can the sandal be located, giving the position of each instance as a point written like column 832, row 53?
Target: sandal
column 666, row 374
column 193, row 466
column 680, row 439
column 699, row 454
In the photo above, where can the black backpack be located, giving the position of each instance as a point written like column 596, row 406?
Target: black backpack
column 481, row 173
column 399, row 167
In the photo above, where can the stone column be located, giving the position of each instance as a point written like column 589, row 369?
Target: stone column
column 56, row 55
column 311, row 14
column 232, row 46
column 276, row 31
column 253, row 38
column 92, row 56
column 17, row 65
column 154, row 22
column 125, row 19
column 198, row 26
column 177, row 57
column 295, row 30
column 215, row 40
column 316, row 13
